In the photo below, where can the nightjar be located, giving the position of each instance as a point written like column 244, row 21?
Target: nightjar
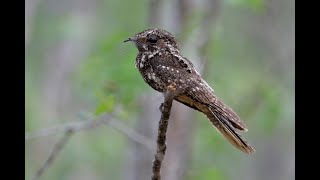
column 161, row 65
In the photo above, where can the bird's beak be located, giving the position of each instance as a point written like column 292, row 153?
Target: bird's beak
column 129, row 39
column 133, row 39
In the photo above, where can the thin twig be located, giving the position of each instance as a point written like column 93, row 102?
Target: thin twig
column 105, row 119
column 56, row 149
column 75, row 126
column 70, row 128
column 131, row 134
column 165, row 109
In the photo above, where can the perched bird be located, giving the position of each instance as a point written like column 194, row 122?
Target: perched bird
column 161, row 66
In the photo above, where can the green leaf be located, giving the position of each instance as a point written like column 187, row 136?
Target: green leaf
column 106, row 105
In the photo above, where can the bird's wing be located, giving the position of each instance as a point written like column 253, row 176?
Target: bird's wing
column 203, row 93
column 181, row 71
column 222, row 117
column 199, row 95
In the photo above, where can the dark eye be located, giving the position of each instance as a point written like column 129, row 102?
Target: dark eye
column 152, row 39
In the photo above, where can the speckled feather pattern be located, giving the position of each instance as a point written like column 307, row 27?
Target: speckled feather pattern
column 161, row 65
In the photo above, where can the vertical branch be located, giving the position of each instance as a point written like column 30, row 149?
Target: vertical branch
column 208, row 21
column 30, row 10
column 165, row 109
column 180, row 129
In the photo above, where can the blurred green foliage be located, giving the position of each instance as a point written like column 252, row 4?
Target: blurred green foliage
column 256, row 5
column 110, row 72
column 241, row 73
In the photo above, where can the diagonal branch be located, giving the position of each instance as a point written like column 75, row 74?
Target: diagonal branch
column 71, row 128
column 165, row 109
column 56, row 149
column 105, row 119
column 75, row 126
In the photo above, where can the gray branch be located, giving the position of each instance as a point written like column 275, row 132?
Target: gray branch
column 71, row 128
column 56, row 150
column 105, row 119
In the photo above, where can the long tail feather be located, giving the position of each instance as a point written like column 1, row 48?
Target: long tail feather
column 226, row 129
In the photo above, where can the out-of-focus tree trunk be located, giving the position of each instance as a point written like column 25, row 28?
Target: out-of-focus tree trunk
column 139, row 161
column 63, row 56
column 60, row 58
column 30, row 9
column 181, row 124
column 180, row 128
column 276, row 37
column 179, row 141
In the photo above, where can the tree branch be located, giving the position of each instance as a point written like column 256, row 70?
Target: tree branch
column 105, row 119
column 75, row 126
column 165, row 109
column 56, row 149
column 71, row 128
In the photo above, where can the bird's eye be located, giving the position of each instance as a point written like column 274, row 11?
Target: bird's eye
column 152, row 39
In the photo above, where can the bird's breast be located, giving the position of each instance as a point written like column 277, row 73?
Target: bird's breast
column 152, row 79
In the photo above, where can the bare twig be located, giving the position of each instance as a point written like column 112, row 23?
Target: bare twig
column 56, row 149
column 75, row 126
column 165, row 109
column 69, row 129
column 105, row 119
column 131, row 134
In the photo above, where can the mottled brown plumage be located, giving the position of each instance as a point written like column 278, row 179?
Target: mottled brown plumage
column 161, row 65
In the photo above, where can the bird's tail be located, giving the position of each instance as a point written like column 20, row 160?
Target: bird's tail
column 224, row 126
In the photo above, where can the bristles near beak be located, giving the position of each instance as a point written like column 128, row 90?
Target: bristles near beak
column 129, row 39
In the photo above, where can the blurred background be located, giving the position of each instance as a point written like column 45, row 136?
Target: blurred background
column 80, row 75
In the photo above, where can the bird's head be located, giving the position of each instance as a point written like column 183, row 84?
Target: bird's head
column 151, row 40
